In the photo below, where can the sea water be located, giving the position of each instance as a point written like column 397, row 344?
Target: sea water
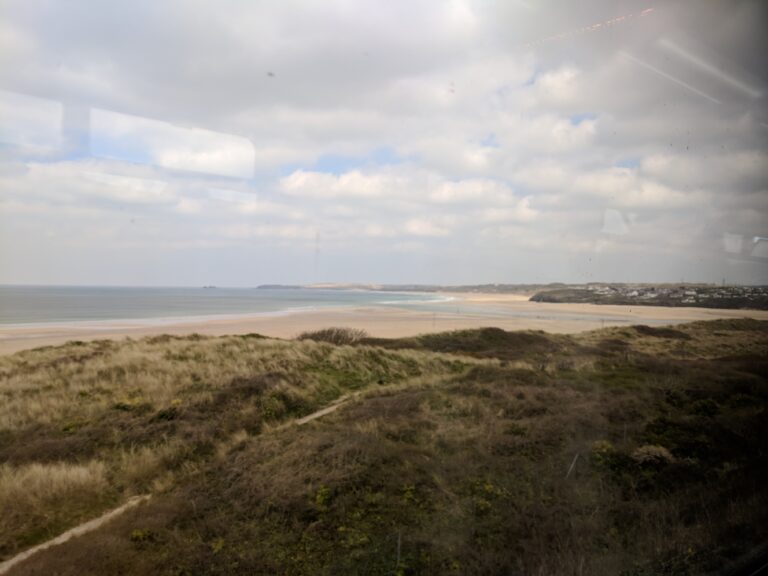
column 21, row 305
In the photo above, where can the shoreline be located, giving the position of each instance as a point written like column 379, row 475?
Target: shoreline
column 458, row 311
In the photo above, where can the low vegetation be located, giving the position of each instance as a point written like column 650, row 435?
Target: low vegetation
column 338, row 336
column 631, row 451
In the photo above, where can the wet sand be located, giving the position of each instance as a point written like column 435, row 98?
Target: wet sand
column 507, row 311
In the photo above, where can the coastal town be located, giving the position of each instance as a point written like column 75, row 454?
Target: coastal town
column 701, row 295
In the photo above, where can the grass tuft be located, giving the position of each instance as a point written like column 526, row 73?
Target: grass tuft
column 338, row 336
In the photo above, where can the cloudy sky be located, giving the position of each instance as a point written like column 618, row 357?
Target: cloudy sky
column 184, row 142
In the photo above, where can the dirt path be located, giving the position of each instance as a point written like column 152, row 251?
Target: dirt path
column 95, row 523
column 76, row 531
column 323, row 411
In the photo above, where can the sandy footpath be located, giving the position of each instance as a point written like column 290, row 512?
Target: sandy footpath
column 508, row 311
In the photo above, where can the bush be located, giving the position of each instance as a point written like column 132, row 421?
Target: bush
column 652, row 454
column 338, row 336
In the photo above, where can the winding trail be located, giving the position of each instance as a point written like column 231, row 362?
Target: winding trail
column 323, row 411
column 96, row 523
column 71, row 533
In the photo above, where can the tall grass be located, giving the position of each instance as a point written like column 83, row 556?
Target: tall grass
column 338, row 336
column 74, row 383
column 38, row 500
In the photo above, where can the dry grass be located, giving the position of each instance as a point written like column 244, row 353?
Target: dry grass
column 710, row 339
column 143, row 469
column 148, row 410
column 38, row 499
column 39, row 483
column 614, row 452
column 76, row 382
column 338, row 336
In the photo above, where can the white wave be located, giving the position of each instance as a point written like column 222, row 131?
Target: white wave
column 435, row 300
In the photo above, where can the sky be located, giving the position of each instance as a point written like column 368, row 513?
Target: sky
column 236, row 143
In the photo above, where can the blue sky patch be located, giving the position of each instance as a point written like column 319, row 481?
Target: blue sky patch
column 532, row 80
column 579, row 118
column 628, row 163
column 125, row 149
column 490, row 141
column 339, row 163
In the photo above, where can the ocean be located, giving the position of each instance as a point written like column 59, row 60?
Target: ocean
column 23, row 305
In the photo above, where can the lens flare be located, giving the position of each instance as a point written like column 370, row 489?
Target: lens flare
column 592, row 27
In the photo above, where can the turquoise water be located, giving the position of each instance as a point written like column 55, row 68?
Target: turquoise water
column 54, row 304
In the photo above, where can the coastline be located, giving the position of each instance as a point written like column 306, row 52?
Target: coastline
column 462, row 311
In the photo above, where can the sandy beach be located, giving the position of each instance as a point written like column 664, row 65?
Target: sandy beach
column 507, row 311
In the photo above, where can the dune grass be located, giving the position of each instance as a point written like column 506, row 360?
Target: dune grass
column 338, row 336
column 146, row 410
column 38, row 500
column 472, row 452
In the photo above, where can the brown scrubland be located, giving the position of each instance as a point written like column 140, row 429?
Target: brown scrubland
column 633, row 450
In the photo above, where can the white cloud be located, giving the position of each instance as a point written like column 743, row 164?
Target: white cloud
column 189, row 206
column 613, row 223
column 129, row 189
column 426, row 126
column 521, row 211
column 30, row 122
column 425, row 227
column 248, row 232
column 132, row 138
column 557, row 85
column 349, row 184
column 471, row 191
column 743, row 170
column 623, row 187
column 378, row 231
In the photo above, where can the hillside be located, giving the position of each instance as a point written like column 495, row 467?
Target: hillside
column 622, row 451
